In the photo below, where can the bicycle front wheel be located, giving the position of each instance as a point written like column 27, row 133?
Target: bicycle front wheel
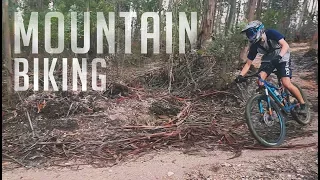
column 267, row 128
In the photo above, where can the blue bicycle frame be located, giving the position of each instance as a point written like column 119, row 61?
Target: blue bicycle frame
column 286, row 106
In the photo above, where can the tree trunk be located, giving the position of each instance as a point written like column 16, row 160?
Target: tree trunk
column 312, row 5
column 287, row 5
column 160, row 22
column 259, row 9
column 252, row 8
column 207, row 22
column 7, row 47
column 88, row 10
column 219, row 17
column 238, row 12
column 302, row 14
column 117, row 45
column 226, row 19
column 313, row 10
column 231, row 17
column 137, row 27
column 250, row 17
column 246, row 8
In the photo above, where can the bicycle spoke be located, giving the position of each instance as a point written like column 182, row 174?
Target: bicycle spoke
column 266, row 126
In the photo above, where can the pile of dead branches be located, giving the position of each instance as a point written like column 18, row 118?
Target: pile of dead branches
column 190, row 73
column 52, row 128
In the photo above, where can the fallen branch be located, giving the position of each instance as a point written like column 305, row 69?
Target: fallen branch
column 184, row 111
column 181, row 99
column 69, row 109
column 54, row 143
column 30, row 122
column 147, row 127
column 296, row 146
column 237, row 154
column 28, row 116
column 15, row 160
column 149, row 136
column 217, row 92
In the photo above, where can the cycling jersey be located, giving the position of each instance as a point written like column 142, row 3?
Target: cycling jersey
column 270, row 48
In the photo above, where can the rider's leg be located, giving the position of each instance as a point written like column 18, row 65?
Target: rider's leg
column 286, row 82
column 265, row 72
column 285, row 73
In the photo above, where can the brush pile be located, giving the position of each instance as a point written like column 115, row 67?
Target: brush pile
column 102, row 129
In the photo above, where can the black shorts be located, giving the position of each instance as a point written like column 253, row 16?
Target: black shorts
column 283, row 68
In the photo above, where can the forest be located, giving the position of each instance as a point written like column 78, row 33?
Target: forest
column 172, row 88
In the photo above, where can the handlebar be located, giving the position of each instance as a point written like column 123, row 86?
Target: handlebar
column 257, row 73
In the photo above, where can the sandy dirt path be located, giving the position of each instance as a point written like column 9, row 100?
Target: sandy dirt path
column 252, row 164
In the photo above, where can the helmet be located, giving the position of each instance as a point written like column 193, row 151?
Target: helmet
column 254, row 31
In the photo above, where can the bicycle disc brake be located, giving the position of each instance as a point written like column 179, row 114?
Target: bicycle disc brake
column 269, row 120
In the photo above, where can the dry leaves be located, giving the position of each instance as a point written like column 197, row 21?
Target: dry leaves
column 41, row 105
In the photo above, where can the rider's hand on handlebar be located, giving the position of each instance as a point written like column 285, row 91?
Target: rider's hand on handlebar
column 240, row 79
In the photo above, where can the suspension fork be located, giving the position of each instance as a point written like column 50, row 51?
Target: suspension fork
column 261, row 111
column 260, row 108
column 268, row 101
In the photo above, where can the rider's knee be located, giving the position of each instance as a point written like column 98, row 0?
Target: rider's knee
column 287, row 84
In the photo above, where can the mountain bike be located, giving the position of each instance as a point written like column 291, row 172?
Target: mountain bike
column 273, row 104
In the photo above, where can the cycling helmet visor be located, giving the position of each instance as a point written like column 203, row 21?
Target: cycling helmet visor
column 251, row 33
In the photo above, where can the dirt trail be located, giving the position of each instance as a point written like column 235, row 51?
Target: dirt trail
column 265, row 164
column 268, row 164
column 202, row 164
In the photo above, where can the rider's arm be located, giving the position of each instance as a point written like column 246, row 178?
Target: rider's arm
column 251, row 56
column 246, row 67
column 275, row 35
column 284, row 47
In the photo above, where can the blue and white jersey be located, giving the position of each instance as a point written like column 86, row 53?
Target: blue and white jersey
column 273, row 37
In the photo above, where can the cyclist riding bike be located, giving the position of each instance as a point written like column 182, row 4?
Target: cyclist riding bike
column 276, row 55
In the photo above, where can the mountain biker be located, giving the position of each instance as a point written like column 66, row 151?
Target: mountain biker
column 276, row 55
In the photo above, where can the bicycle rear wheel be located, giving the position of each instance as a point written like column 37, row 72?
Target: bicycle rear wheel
column 302, row 119
column 268, row 130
